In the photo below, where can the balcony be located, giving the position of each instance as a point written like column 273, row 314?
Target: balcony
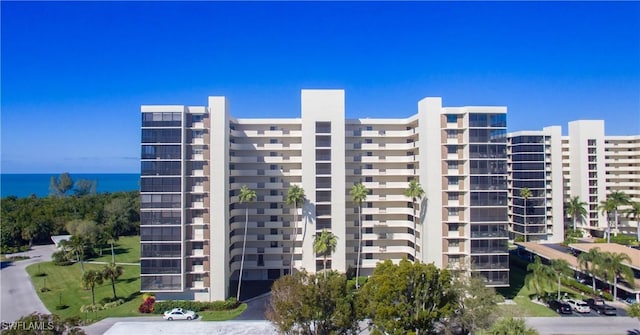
column 197, row 285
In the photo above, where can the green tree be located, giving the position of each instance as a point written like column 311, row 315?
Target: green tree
column 408, row 298
column 612, row 267
column 49, row 324
column 358, row 195
column 540, row 276
column 309, row 304
column 511, row 326
column 295, row 197
column 415, row 192
column 61, row 185
column 90, row 279
column 75, row 246
column 525, row 194
column 619, row 199
column 607, row 207
column 560, row 269
column 112, row 272
column 116, row 214
column 246, row 195
column 634, row 213
column 589, row 262
column 634, row 310
column 576, row 209
column 84, row 187
column 325, row 244
column 477, row 304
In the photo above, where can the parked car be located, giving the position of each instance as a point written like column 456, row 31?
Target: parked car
column 179, row 314
column 559, row 306
column 578, row 305
column 601, row 307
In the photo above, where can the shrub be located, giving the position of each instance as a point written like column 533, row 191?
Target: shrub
column 91, row 308
column 113, row 304
column 569, row 282
column 620, row 239
column 148, row 305
column 197, row 306
column 60, row 258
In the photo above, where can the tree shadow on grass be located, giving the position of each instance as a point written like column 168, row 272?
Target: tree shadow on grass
column 516, row 282
column 132, row 296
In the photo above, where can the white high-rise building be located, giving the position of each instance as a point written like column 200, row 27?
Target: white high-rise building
column 196, row 159
column 584, row 163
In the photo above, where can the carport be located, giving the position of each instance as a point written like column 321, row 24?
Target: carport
column 549, row 253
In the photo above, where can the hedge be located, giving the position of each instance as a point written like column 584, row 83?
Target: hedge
column 620, row 239
column 196, row 306
column 570, row 282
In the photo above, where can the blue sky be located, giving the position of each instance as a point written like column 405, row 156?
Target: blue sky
column 75, row 74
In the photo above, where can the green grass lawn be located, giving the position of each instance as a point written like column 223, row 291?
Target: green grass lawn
column 63, row 282
column 222, row 315
column 126, row 249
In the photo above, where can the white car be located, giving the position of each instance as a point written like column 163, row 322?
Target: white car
column 578, row 305
column 179, row 314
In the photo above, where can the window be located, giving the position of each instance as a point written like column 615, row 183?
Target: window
column 451, row 118
column 453, row 180
column 323, row 127
column 452, row 133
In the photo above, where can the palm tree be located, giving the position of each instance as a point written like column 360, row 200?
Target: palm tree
column 525, row 193
column 75, row 246
column 612, row 268
column 634, row 213
column 295, row 197
column 540, row 276
column 246, row 195
column 325, row 243
column 619, row 199
column 112, row 272
column 90, row 279
column 359, row 194
column 560, row 268
column 414, row 192
column 607, row 207
column 576, row 209
column 593, row 257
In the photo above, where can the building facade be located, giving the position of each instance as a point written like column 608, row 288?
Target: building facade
column 196, row 159
column 535, row 163
column 584, row 163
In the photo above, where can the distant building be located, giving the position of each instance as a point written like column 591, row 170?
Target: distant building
column 196, row 159
column 585, row 163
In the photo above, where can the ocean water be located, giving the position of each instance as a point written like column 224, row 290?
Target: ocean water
column 24, row 185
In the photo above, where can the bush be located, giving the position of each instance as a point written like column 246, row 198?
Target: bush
column 91, row 308
column 148, row 305
column 620, row 239
column 113, row 304
column 569, row 282
column 60, row 258
column 11, row 250
column 196, row 306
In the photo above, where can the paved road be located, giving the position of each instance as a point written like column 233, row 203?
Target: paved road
column 17, row 294
column 618, row 325
column 255, row 308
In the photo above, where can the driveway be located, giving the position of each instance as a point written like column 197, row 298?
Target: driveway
column 17, row 295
